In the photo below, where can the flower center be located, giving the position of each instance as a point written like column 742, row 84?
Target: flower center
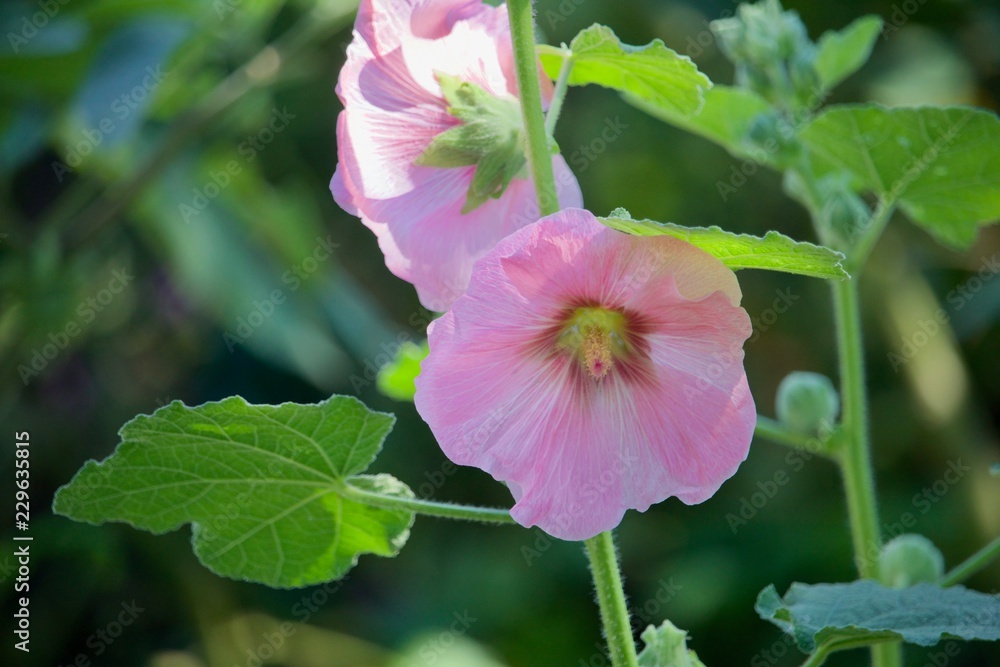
column 595, row 336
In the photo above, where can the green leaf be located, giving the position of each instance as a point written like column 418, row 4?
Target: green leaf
column 489, row 136
column 261, row 485
column 843, row 52
column 653, row 72
column 774, row 251
column 923, row 614
column 942, row 164
column 397, row 379
column 725, row 118
column 666, row 646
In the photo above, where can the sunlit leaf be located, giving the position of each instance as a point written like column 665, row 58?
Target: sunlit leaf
column 773, row 251
column 653, row 73
column 942, row 164
column 263, row 486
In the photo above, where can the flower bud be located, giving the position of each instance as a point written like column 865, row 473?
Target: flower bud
column 805, row 79
column 909, row 560
column 807, row 402
column 771, row 133
column 773, row 54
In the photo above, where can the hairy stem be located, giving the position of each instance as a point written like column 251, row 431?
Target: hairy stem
column 870, row 236
column 611, row 598
column 427, row 507
column 522, row 30
column 824, row 650
column 775, row 431
column 855, row 458
column 559, row 94
column 972, row 564
column 854, row 454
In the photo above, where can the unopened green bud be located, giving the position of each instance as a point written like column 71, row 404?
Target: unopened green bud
column 773, row 54
column 843, row 211
column 805, row 80
column 909, row 560
column 807, row 402
column 771, row 133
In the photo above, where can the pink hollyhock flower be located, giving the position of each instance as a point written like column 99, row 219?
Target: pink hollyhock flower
column 394, row 108
column 593, row 372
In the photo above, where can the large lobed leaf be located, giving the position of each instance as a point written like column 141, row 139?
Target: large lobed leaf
column 653, row 72
column 260, row 484
column 923, row 614
column 774, row 251
column 942, row 164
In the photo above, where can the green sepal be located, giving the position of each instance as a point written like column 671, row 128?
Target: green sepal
column 490, row 136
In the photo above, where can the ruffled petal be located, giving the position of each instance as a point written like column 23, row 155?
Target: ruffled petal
column 394, row 110
column 675, row 419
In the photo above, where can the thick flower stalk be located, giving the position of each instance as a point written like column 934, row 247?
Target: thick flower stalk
column 593, row 372
column 430, row 143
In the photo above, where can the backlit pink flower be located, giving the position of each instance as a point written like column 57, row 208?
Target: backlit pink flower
column 394, row 108
column 593, row 372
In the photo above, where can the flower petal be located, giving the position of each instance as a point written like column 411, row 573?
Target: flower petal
column 576, row 452
column 393, row 110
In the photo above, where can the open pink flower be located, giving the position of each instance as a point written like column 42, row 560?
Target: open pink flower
column 593, row 372
column 394, row 108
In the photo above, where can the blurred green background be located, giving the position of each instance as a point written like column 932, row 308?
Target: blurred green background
column 188, row 145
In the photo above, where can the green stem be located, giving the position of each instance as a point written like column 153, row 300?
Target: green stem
column 428, row 507
column 775, row 431
column 854, row 454
column 872, row 233
column 611, row 598
column 972, row 564
column 522, row 31
column 824, row 650
column 559, row 94
column 855, row 459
